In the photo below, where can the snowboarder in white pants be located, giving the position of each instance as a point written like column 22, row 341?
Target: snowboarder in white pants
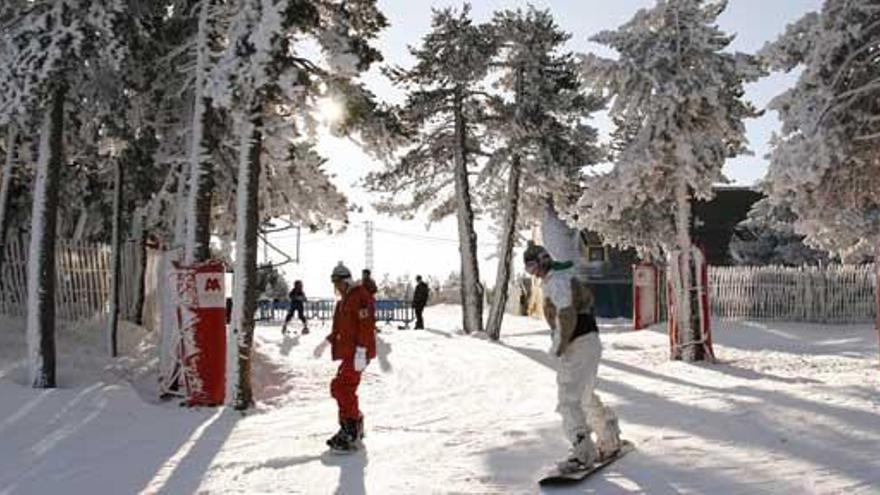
column 568, row 308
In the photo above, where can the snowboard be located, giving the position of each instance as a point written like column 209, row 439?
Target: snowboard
column 554, row 477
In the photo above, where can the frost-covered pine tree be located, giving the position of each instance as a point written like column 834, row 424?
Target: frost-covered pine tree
column 262, row 76
column 10, row 135
column 47, row 48
column 11, row 155
column 824, row 165
column 542, row 137
column 445, row 113
column 678, row 108
column 197, row 217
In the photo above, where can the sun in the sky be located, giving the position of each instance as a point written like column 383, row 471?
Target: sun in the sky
column 330, row 110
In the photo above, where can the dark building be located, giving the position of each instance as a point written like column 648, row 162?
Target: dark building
column 714, row 221
column 609, row 270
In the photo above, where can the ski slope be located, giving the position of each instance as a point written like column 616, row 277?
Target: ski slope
column 791, row 408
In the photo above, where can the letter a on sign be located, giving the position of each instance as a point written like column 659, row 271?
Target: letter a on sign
column 210, row 290
column 213, row 284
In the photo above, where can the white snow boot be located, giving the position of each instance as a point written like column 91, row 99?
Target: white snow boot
column 581, row 456
column 608, row 438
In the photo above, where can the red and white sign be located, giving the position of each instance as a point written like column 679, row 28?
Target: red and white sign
column 203, row 327
column 209, row 289
column 646, row 296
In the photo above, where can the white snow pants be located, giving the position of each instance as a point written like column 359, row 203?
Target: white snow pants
column 580, row 407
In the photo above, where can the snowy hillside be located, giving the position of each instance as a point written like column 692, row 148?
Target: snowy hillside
column 792, row 409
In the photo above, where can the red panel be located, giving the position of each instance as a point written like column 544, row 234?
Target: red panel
column 208, row 363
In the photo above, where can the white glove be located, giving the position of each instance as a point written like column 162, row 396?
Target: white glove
column 321, row 347
column 360, row 358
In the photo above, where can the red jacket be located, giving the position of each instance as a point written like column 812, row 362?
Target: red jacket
column 353, row 324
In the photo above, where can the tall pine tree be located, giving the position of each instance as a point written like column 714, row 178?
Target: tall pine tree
column 542, row 138
column 678, row 108
column 262, row 77
column 445, row 113
column 49, row 47
column 825, row 165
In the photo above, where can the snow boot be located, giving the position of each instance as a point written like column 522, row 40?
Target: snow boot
column 581, row 456
column 346, row 439
column 305, row 330
column 608, row 439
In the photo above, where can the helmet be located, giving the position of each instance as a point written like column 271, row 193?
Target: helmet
column 340, row 272
column 534, row 253
column 536, row 259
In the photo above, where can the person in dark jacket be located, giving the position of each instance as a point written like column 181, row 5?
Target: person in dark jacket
column 297, row 304
column 420, row 300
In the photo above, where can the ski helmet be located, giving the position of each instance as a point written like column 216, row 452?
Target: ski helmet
column 340, row 272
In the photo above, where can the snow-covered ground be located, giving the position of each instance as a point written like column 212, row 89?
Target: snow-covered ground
column 791, row 408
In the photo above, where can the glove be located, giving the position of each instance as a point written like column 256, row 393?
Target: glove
column 360, row 358
column 321, row 347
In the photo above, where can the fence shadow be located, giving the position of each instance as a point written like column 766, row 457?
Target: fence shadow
column 103, row 439
column 797, row 338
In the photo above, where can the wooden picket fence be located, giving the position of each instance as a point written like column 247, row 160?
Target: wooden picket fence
column 831, row 294
column 84, row 277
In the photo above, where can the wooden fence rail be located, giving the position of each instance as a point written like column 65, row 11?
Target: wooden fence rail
column 832, row 294
column 83, row 279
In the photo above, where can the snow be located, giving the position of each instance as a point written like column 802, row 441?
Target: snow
column 791, row 408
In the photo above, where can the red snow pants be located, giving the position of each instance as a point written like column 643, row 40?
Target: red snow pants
column 343, row 388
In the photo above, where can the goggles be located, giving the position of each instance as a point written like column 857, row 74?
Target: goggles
column 532, row 267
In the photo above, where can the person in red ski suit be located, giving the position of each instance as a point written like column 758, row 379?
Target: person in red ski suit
column 353, row 342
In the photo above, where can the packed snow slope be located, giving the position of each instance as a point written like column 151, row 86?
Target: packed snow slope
column 790, row 409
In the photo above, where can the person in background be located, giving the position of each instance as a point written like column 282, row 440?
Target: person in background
column 353, row 342
column 368, row 282
column 297, row 304
column 419, row 301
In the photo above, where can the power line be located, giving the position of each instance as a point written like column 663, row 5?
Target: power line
column 425, row 237
column 370, row 237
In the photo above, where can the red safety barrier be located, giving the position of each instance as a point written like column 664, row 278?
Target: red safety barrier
column 202, row 318
column 646, row 295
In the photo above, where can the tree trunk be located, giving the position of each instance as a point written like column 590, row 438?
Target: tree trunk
column 505, row 252
column 689, row 346
column 201, row 184
column 41, row 256
column 5, row 184
column 137, row 316
column 244, row 302
column 471, row 288
column 116, row 262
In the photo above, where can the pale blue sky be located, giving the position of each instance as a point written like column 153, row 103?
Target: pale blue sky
column 412, row 249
